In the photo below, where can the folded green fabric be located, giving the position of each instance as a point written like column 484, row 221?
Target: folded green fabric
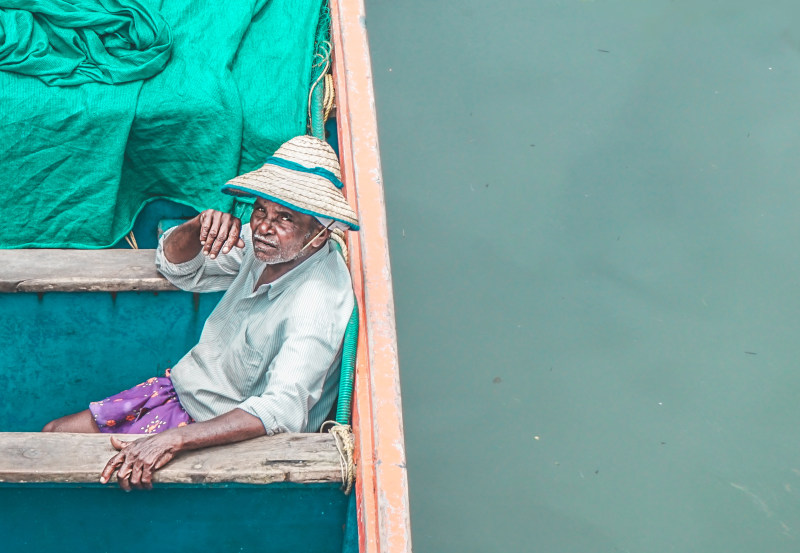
column 81, row 41
column 78, row 163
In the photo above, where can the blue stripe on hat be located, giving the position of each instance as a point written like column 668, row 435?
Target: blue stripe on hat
column 319, row 171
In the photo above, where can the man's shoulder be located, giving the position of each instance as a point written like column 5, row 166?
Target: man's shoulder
column 330, row 273
column 324, row 287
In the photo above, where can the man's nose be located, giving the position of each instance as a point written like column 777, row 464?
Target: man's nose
column 267, row 226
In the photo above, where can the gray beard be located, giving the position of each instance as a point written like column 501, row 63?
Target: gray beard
column 279, row 255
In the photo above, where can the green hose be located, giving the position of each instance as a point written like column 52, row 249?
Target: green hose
column 348, row 368
column 344, row 404
column 317, row 118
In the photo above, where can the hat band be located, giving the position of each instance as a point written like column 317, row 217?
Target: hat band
column 319, row 171
column 237, row 190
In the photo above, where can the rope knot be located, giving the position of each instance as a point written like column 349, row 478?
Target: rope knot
column 345, row 444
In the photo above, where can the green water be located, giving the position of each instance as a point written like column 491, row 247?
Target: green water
column 595, row 222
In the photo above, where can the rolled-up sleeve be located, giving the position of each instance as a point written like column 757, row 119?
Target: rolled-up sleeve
column 309, row 355
column 201, row 274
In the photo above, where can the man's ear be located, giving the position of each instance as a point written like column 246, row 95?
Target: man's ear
column 321, row 239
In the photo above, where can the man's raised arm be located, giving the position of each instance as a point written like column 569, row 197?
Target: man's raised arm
column 216, row 234
column 211, row 231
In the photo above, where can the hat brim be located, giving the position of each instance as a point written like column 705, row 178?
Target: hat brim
column 239, row 190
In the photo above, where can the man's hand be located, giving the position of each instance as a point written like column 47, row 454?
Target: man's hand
column 212, row 231
column 137, row 460
column 219, row 231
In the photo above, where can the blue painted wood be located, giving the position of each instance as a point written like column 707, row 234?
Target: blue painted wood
column 145, row 229
column 332, row 134
column 276, row 519
column 350, row 542
column 63, row 350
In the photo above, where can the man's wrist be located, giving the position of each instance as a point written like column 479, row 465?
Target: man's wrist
column 183, row 242
column 192, row 226
column 176, row 438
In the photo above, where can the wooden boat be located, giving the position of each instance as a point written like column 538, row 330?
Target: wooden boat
column 268, row 494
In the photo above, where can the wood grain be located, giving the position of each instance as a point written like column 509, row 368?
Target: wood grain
column 112, row 270
column 33, row 457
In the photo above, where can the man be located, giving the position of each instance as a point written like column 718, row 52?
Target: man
column 268, row 357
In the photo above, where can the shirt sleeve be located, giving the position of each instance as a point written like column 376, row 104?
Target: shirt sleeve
column 202, row 274
column 310, row 353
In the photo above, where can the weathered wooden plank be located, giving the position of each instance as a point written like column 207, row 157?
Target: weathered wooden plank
column 33, row 457
column 112, row 270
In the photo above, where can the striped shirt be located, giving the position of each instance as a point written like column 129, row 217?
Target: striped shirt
column 275, row 352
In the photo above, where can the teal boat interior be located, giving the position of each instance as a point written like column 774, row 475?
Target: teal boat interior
column 275, row 518
column 73, row 331
column 78, row 325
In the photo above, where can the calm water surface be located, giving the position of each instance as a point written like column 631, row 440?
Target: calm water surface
column 595, row 235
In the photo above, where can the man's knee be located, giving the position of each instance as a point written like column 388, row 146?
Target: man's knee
column 54, row 426
column 82, row 422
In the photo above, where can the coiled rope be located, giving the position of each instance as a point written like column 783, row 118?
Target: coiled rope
column 345, row 444
column 320, row 101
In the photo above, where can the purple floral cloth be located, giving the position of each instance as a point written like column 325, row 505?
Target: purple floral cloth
column 148, row 408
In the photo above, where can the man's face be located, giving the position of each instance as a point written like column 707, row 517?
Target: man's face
column 280, row 233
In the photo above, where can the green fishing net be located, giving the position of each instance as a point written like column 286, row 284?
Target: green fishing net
column 106, row 105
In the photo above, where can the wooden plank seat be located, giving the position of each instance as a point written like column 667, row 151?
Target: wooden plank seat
column 112, row 270
column 63, row 458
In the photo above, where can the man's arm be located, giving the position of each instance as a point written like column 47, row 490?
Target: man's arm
column 212, row 231
column 137, row 460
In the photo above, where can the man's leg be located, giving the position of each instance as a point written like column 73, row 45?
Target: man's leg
column 82, row 422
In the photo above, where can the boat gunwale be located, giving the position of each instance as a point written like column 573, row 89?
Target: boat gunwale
column 381, row 482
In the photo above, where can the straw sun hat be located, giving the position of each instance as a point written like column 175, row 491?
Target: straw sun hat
column 302, row 175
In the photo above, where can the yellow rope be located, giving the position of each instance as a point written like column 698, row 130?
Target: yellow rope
column 345, row 444
column 328, row 97
column 338, row 236
column 131, row 240
column 325, row 62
